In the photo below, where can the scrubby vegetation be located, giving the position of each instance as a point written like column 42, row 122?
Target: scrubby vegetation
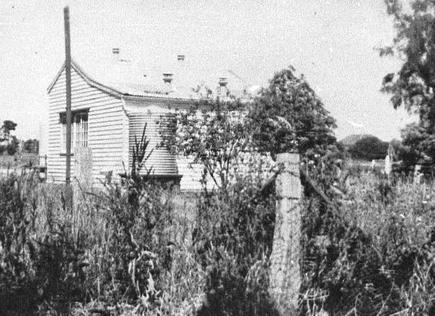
column 371, row 251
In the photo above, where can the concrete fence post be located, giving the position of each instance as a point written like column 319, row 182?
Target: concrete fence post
column 81, row 183
column 83, row 168
column 285, row 275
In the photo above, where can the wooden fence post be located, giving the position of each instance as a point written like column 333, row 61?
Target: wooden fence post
column 285, row 275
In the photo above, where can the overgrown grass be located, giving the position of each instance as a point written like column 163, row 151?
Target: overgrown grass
column 372, row 251
column 129, row 250
column 103, row 253
column 399, row 218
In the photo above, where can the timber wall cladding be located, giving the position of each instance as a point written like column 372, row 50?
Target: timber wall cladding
column 107, row 124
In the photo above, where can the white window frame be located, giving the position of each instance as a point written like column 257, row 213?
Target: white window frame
column 79, row 130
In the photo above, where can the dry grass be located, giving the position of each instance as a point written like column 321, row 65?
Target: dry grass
column 370, row 203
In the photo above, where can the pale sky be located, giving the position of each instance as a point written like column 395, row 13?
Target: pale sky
column 331, row 42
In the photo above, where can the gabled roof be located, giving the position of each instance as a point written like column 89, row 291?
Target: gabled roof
column 85, row 77
column 122, row 78
column 112, row 90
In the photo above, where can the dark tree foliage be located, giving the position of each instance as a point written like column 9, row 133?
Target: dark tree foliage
column 413, row 85
column 31, row 146
column 12, row 147
column 288, row 116
column 369, row 148
column 6, row 129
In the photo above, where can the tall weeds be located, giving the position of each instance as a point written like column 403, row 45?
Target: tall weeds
column 136, row 248
column 368, row 253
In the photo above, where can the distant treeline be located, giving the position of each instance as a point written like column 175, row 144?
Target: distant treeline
column 10, row 144
column 366, row 147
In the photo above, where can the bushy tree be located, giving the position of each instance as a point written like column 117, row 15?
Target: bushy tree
column 369, row 148
column 6, row 129
column 5, row 136
column 418, row 146
column 413, row 85
column 31, row 146
column 12, row 146
column 288, row 115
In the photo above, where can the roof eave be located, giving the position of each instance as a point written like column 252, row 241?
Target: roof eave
column 56, row 77
column 159, row 98
column 113, row 91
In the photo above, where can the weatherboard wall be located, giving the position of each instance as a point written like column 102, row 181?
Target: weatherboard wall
column 107, row 128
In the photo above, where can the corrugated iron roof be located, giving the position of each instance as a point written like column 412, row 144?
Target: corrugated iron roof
column 125, row 77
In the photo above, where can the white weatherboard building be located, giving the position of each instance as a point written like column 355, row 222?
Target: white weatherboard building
column 112, row 103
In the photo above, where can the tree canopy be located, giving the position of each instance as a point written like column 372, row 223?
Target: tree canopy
column 6, row 129
column 31, row 146
column 369, row 148
column 288, row 115
column 413, row 86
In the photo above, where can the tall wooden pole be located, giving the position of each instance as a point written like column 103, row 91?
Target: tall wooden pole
column 68, row 188
column 285, row 274
column 68, row 95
